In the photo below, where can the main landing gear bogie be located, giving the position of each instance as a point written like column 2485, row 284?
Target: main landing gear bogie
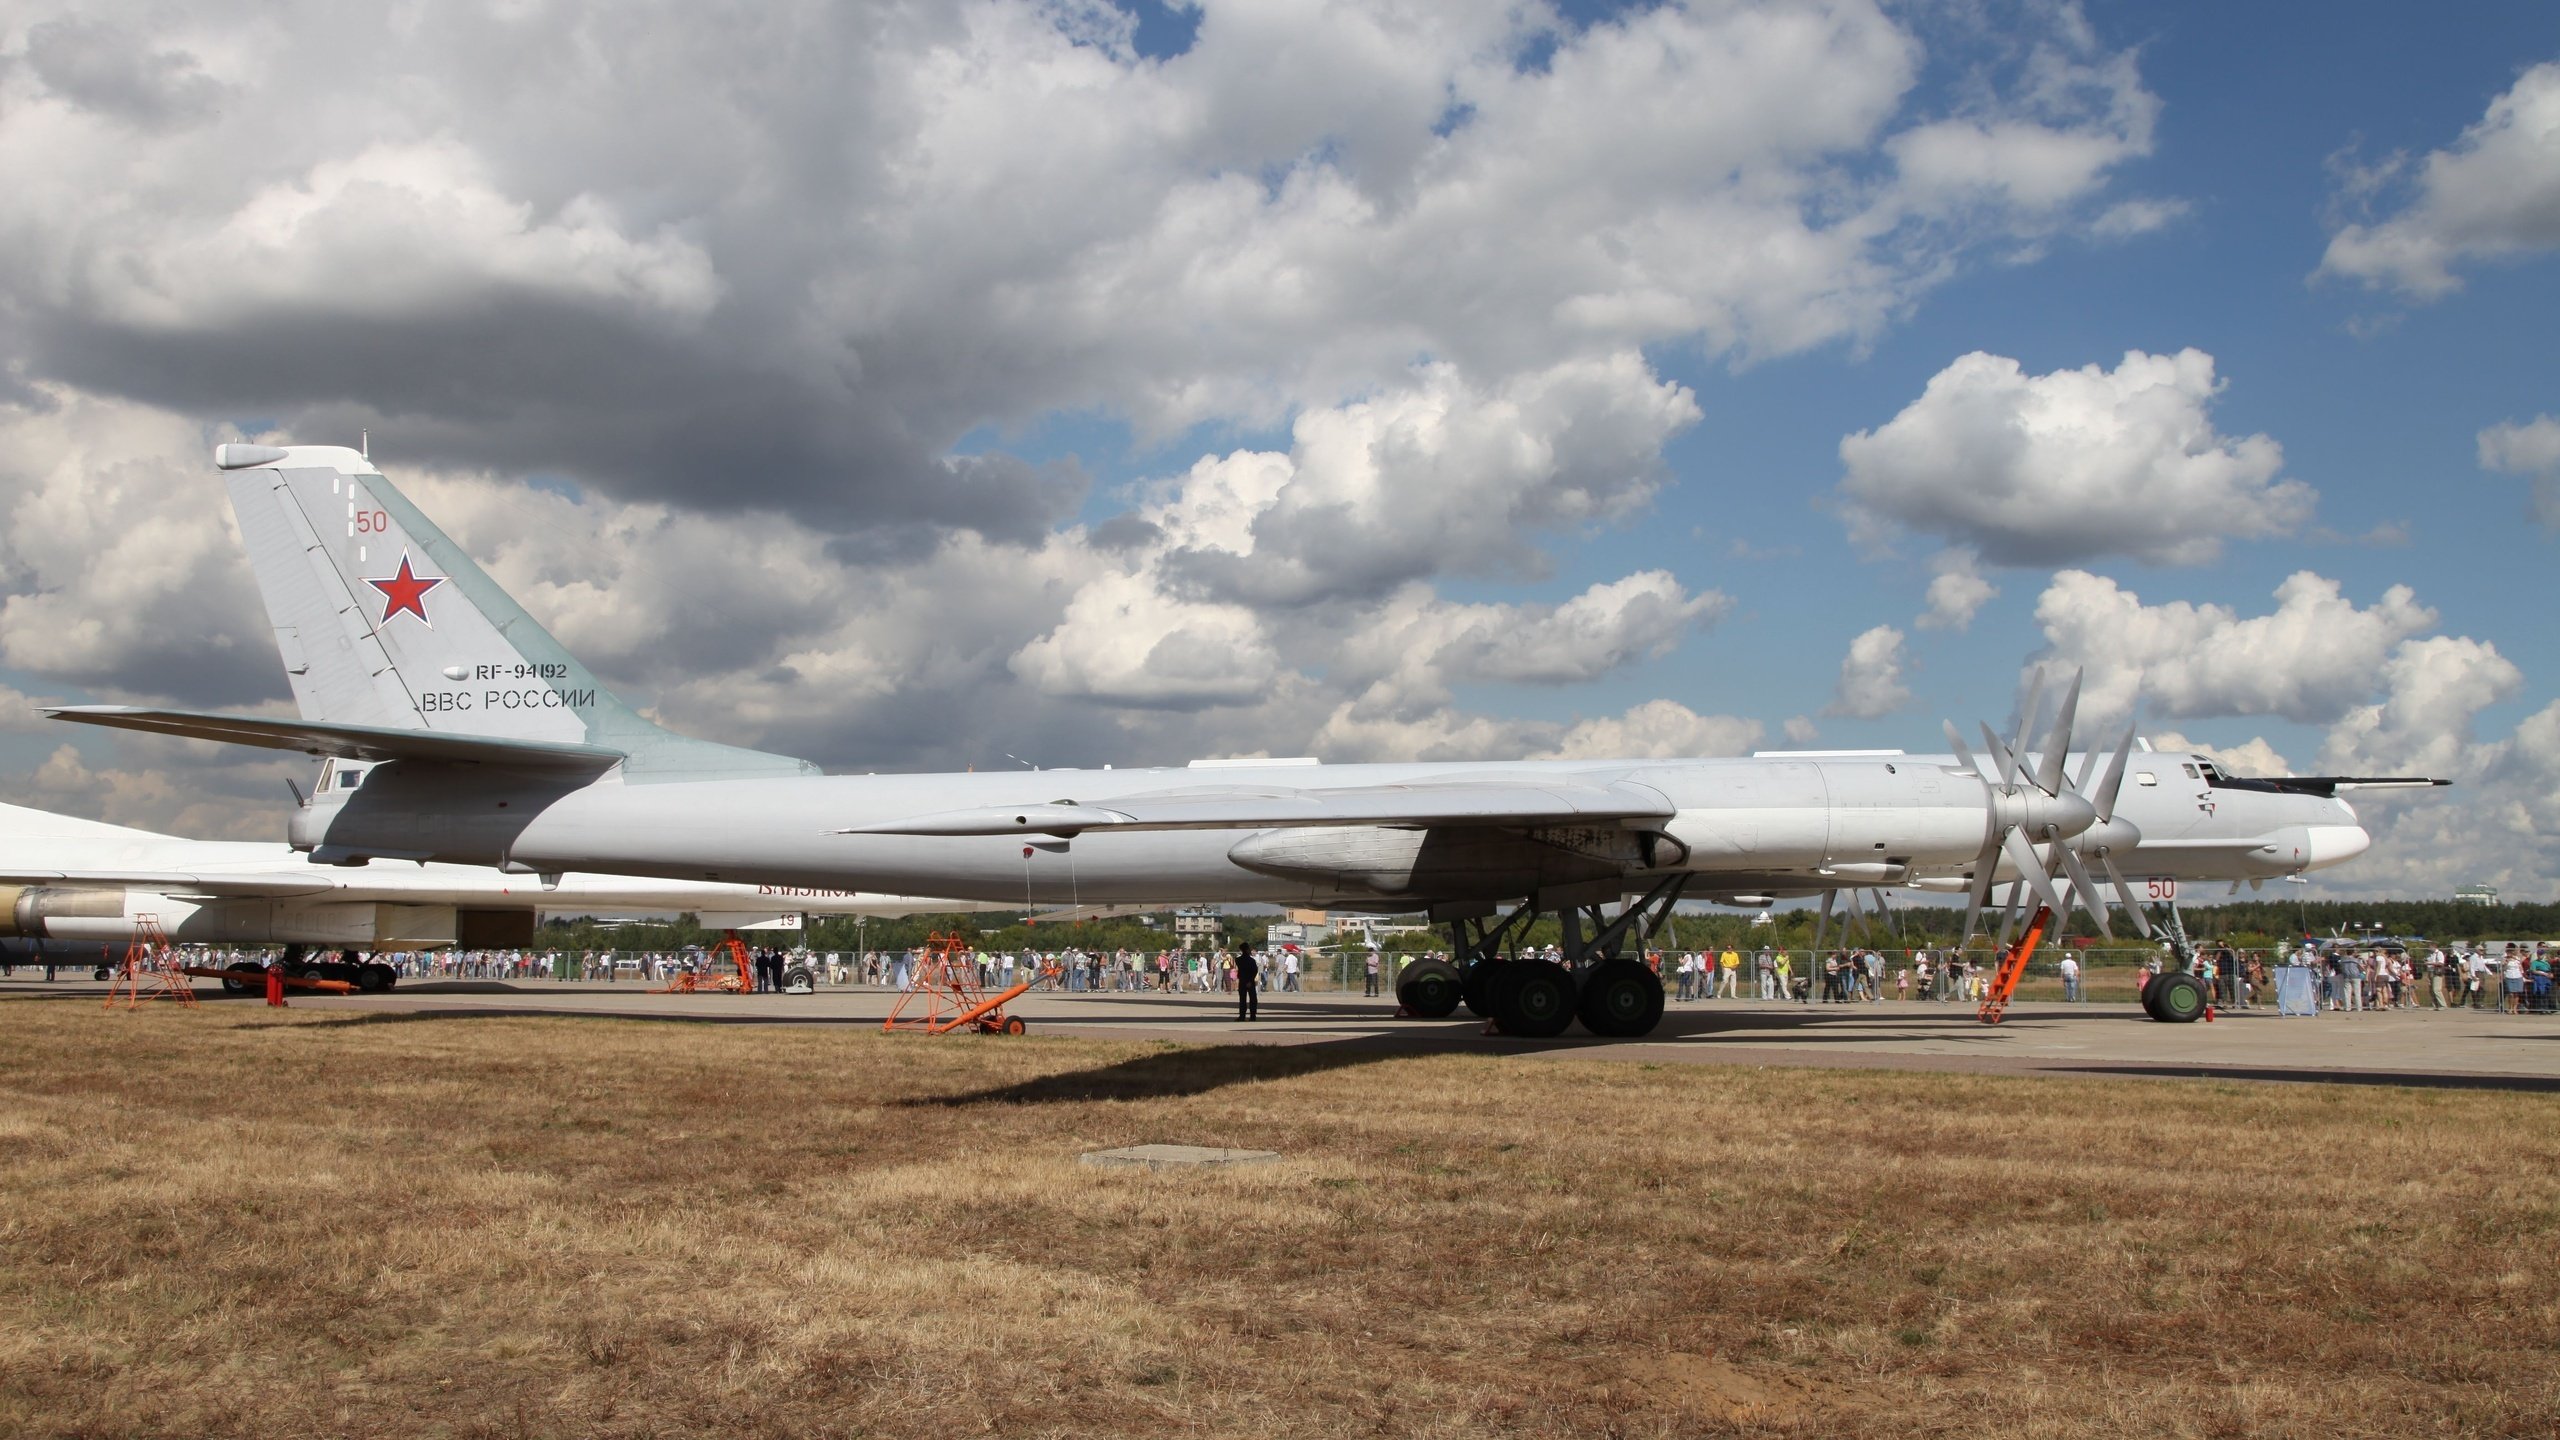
column 1615, row 996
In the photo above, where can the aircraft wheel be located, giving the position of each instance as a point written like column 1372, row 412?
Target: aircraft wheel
column 2149, row 997
column 243, row 987
column 103, row 972
column 1429, row 989
column 2175, row 999
column 1476, row 984
column 293, row 969
column 376, row 977
column 1621, row 1000
column 1534, row 999
column 799, row 975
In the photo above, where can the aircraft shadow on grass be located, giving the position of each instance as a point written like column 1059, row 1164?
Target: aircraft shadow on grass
column 1172, row 1074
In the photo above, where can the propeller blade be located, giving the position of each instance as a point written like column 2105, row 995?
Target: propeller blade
column 2124, row 892
column 2027, row 715
column 2057, row 741
column 2001, row 757
column 2030, row 867
column 1979, row 895
column 2087, row 893
column 1964, row 752
column 2105, row 798
column 2012, row 912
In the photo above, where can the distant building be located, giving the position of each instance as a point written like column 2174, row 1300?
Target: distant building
column 2477, row 894
column 1190, row 925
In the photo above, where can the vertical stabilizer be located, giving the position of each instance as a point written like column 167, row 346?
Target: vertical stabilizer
column 381, row 620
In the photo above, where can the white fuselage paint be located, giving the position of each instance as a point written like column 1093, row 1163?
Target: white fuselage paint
column 1746, row 823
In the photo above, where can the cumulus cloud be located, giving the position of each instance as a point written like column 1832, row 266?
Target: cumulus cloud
column 2069, row 466
column 736, row 293
column 2493, row 194
column 2532, row 450
column 2311, row 659
column 1654, row 730
column 119, row 570
column 1957, row 591
column 795, row 260
column 1476, row 472
column 1871, row 677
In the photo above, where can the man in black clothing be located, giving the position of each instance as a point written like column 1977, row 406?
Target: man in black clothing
column 1248, row 984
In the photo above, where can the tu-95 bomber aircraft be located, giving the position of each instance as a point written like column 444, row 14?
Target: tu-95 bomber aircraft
column 484, row 741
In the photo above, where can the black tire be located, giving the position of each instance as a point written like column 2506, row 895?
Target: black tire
column 1621, row 1000
column 2176, row 998
column 103, row 972
column 799, row 975
column 375, row 978
column 243, row 987
column 294, row 969
column 1476, row 984
column 1428, row 989
column 2151, row 993
column 1534, row 999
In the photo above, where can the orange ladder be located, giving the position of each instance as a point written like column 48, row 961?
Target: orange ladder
column 2013, row 968
column 150, row 970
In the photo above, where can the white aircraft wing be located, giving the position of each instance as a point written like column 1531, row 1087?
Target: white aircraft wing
column 1508, row 801
column 185, row 883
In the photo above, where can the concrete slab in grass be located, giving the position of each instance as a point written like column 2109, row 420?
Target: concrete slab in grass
column 1176, row 1157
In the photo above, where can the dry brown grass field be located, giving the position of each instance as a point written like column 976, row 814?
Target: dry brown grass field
column 239, row 1222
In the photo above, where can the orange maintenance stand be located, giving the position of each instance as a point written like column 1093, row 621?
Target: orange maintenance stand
column 947, row 982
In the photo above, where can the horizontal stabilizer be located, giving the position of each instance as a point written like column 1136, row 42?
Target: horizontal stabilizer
column 348, row 742
column 1540, row 801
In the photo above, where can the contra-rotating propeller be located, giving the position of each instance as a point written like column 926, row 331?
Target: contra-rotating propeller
column 2037, row 804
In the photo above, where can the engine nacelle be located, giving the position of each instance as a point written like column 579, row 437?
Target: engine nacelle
column 52, row 912
column 1449, row 864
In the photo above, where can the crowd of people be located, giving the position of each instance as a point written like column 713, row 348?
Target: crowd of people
column 2345, row 978
column 2339, row 977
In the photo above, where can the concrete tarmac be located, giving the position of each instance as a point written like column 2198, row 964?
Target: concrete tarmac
column 2462, row 1048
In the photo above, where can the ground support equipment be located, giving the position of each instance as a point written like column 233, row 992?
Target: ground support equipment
column 244, row 979
column 151, row 970
column 740, row 979
column 946, row 983
column 2013, row 968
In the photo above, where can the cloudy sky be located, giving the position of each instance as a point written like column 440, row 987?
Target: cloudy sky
column 915, row 386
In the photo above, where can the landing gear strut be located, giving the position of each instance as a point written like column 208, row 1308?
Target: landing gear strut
column 1614, row 996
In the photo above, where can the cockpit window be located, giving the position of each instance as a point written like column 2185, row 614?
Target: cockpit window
column 2191, row 772
column 350, row 779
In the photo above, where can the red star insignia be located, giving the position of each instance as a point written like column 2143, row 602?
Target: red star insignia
column 406, row 591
